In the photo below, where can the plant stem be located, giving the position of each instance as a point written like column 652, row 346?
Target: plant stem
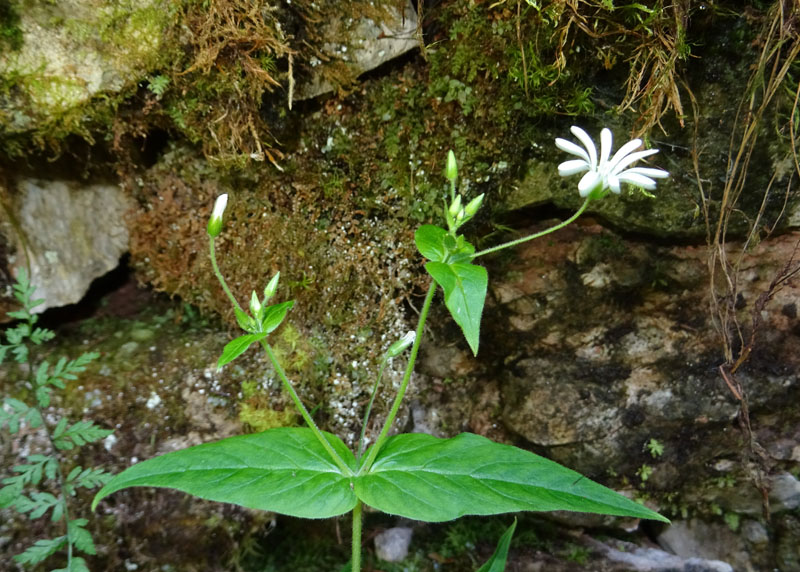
column 304, row 412
column 423, row 315
column 355, row 557
column 369, row 409
column 219, row 276
column 536, row 235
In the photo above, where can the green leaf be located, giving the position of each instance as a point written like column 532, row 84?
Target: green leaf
column 497, row 563
column 284, row 470
column 274, row 315
column 41, row 550
column 464, row 288
column 81, row 537
column 245, row 322
column 424, row 478
column 237, row 347
column 78, row 434
column 430, row 242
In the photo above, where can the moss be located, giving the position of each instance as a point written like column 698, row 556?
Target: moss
column 10, row 32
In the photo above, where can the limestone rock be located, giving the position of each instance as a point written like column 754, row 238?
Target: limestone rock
column 392, row 545
column 73, row 50
column 362, row 46
column 66, row 235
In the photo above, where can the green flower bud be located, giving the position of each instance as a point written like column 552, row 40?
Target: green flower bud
column 255, row 306
column 272, row 287
column 215, row 222
column 451, row 171
column 455, row 206
column 473, row 206
column 401, row 345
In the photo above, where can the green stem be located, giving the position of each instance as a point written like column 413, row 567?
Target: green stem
column 355, row 558
column 536, row 235
column 219, row 276
column 369, row 409
column 304, row 412
column 423, row 315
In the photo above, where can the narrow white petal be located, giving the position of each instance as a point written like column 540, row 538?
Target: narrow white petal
column 629, row 147
column 613, row 183
column 587, row 142
column 589, row 182
column 606, row 141
column 571, row 148
column 648, row 172
column 638, row 180
column 573, row 167
column 631, row 159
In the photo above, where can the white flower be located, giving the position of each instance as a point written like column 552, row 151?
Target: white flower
column 400, row 345
column 607, row 174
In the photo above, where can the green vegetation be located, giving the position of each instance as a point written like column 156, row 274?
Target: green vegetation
column 47, row 481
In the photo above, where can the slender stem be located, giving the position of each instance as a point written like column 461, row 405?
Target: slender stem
column 369, row 409
column 219, row 274
column 304, row 412
column 355, row 557
column 536, row 235
column 423, row 315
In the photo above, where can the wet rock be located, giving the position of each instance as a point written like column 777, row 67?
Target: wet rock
column 698, row 539
column 392, row 545
column 66, row 235
column 362, row 47
column 642, row 559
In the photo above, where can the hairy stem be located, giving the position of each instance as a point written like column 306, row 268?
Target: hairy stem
column 535, row 235
column 219, row 276
column 355, row 558
column 423, row 315
column 303, row 411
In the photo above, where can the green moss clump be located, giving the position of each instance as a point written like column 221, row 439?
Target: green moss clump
column 10, row 32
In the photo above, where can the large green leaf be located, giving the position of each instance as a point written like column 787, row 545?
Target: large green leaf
column 497, row 563
column 284, row 470
column 421, row 477
column 464, row 288
column 430, row 242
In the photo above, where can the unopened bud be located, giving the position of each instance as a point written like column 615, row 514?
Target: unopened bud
column 455, row 206
column 401, row 345
column 255, row 305
column 272, row 287
column 215, row 222
column 473, row 206
column 451, row 171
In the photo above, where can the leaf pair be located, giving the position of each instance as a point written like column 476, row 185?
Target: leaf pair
column 417, row 476
column 464, row 284
column 271, row 318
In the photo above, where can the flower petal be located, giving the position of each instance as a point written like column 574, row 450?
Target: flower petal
column 573, row 167
column 632, row 158
column 571, row 148
column 606, row 141
column 613, row 183
column 638, row 180
column 626, row 149
column 587, row 142
column 648, row 172
column 589, row 182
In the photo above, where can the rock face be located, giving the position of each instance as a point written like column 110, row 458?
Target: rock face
column 66, row 235
column 72, row 50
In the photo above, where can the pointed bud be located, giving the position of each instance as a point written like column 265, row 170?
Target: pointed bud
column 455, row 206
column 215, row 222
column 272, row 287
column 255, row 305
column 401, row 345
column 473, row 206
column 451, row 171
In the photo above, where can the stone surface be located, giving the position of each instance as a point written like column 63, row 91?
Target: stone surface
column 66, row 235
column 640, row 559
column 697, row 539
column 362, row 46
column 73, row 50
column 392, row 545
